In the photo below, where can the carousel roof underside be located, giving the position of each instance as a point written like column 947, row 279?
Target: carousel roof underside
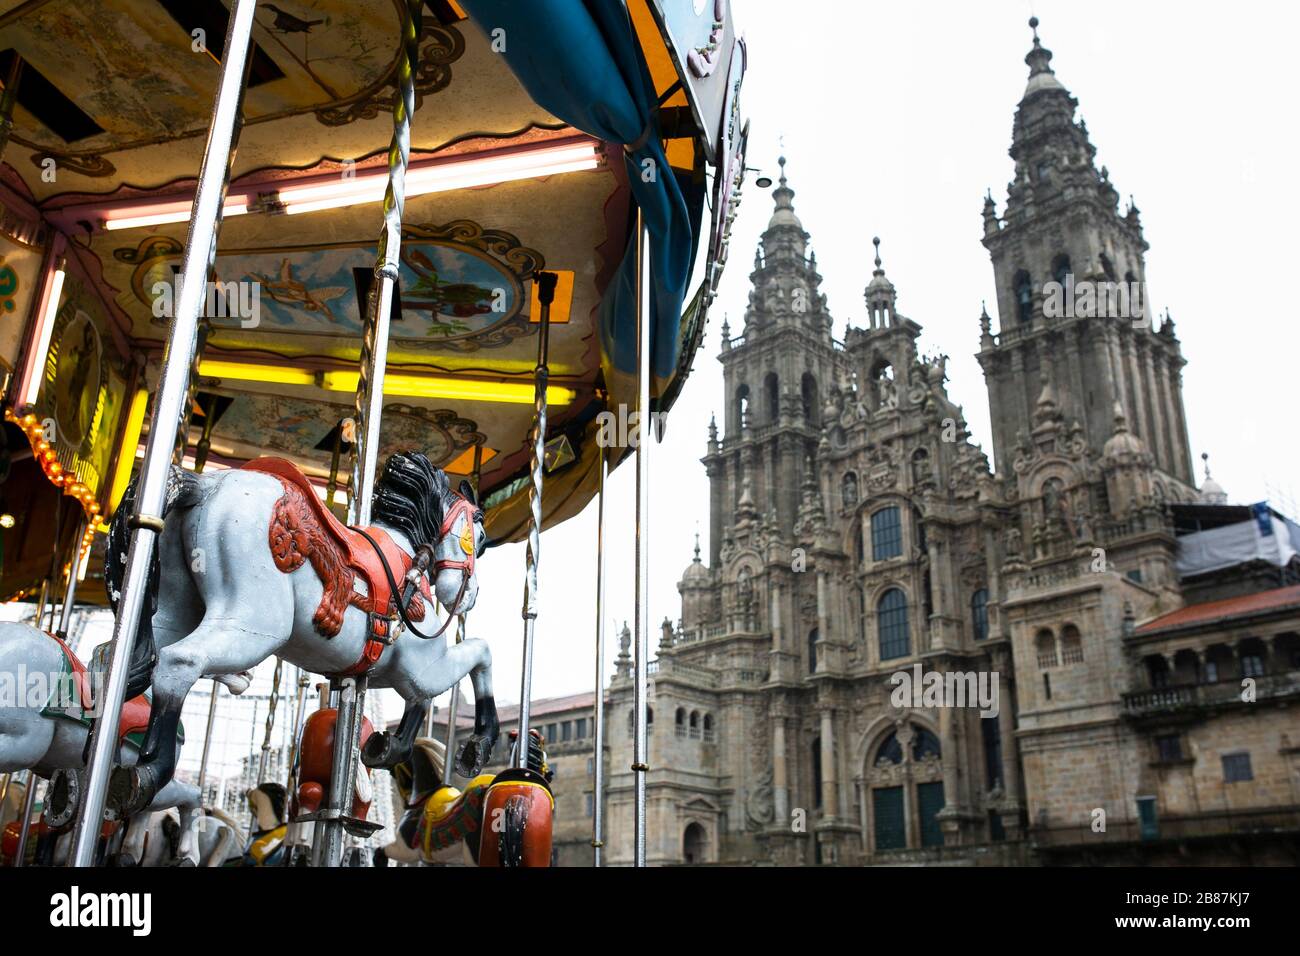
column 113, row 108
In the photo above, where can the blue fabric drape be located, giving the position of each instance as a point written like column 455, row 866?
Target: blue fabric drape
column 579, row 60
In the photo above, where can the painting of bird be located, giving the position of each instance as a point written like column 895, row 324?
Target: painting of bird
column 287, row 23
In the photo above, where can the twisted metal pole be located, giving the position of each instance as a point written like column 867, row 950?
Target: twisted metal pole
column 374, row 343
column 370, row 407
column 537, row 462
column 146, row 523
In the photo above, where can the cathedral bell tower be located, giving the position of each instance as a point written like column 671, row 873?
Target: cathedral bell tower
column 774, row 375
column 1073, row 310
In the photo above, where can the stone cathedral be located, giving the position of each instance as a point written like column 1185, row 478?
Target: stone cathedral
column 857, row 532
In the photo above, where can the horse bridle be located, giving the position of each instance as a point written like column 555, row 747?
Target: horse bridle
column 424, row 557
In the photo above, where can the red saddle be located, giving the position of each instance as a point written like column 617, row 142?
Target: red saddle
column 135, row 712
column 304, row 530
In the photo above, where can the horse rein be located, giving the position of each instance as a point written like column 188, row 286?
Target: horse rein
column 423, row 557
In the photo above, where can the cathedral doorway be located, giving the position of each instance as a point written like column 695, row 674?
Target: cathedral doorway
column 904, row 778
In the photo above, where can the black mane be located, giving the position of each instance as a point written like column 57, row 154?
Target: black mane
column 413, row 496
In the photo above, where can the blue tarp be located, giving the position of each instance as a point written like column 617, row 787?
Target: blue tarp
column 579, row 60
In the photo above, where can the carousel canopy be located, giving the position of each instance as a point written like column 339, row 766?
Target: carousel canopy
column 540, row 129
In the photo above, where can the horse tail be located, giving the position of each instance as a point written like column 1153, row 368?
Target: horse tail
column 182, row 492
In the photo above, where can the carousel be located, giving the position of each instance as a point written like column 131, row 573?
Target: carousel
column 303, row 309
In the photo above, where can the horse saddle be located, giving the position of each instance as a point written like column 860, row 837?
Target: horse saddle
column 303, row 529
column 73, row 697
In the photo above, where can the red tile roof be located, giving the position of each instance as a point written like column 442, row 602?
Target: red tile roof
column 1225, row 609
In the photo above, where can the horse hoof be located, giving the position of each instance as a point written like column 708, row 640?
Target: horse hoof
column 380, row 752
column 184, row 861
column 127, row 792
column 124, row 859
column 473, row 756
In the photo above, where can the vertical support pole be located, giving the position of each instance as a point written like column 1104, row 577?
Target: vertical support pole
column 291, row 783
column 370, row 392
column 537, row 465
column 270, row 720
column 453, row 713
column 207, row 737
column 598, row 717
column 339, row 804
column 200, row 248
column 645, row 435
column 205, row 439
column 70, row 591
column 25, row 821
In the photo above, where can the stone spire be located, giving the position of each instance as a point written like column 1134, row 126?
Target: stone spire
column 1039, row 60
column 1212, row 492
column 880, row 294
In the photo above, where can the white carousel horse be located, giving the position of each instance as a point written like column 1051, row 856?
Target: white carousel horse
column 40, row 729
column 250, row 565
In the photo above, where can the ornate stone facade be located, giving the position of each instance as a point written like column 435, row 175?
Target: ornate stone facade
column 856, row 532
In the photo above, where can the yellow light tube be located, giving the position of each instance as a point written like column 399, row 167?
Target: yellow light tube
column 472, row 390
column 396, row 384
column 126, row 454
column 249, row 372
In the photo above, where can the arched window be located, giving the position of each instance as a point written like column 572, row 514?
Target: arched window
column 695, row 844
column 889, row 751
column 773, row 391
column 680, row 721
column 812, row 651
column 649, row 719
column 708, row 727
column 1071, row 645
column 1107, row 268
column 886, row 534
column 808, row 392
column 742, row 404
column 891, row 625
column 1024, row 290
column 979, row 614
column 924, row 744
column 849, row 490
column 695, row 725
column 1045, row 648
column 1061, row 268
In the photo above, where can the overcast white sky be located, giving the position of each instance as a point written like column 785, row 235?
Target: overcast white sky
column 896, row 118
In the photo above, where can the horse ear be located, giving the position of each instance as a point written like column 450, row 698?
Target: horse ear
column 467, row 492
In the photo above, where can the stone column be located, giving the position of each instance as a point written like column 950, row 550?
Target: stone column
column 830, row 791
column 823, row 623
column 780, row 780
column 774, row 614
column 1160, row 433
column 993, row 568
column 1141, row 414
